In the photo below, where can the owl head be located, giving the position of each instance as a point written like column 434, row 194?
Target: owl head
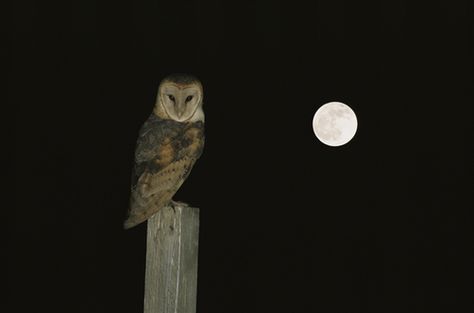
column 180, row 98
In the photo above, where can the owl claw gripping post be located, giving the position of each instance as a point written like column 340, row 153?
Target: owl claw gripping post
column 168, row 145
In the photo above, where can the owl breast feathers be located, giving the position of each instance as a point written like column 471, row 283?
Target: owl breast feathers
column 165, row 153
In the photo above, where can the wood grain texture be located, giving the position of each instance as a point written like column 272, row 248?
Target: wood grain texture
column 172, row 260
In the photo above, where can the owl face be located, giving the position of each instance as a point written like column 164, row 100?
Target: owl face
column 180, row 102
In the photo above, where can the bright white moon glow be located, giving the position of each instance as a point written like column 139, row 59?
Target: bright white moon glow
column 334, row 124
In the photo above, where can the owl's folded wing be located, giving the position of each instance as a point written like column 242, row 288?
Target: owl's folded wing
column 162, row 164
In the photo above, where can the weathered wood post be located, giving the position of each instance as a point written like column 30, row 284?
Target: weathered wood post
column 172, row 261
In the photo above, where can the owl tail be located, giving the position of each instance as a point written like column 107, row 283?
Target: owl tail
column 138, row 214
column 142, row 207
column 129, row 223
column 136, row 211
column 133, row 219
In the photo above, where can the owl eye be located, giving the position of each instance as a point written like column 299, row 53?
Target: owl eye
column 171, row 97
column 189, row 98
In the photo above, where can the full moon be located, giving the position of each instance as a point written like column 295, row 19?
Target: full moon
column 334, row 124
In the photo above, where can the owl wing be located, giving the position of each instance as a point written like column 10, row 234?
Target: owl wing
column 152, row 152
column 165, row 154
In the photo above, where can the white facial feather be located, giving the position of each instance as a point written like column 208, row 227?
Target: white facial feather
column 180, row 103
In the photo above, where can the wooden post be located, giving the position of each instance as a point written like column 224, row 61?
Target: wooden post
column 172, row 260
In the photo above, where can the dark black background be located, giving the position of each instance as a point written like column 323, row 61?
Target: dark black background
column 382, row 224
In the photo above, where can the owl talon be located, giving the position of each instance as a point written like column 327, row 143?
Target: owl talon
column 177, row 204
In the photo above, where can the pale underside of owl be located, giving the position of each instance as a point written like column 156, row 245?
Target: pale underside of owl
column 168, row 145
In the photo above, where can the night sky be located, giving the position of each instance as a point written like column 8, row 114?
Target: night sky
column 288, row 224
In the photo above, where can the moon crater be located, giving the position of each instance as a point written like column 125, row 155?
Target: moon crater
column 335, row 124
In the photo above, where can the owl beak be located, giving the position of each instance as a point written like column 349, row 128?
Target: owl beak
column 180, row 110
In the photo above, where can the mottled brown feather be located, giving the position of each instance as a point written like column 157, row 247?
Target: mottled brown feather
column 166, row 152
column 156, row 190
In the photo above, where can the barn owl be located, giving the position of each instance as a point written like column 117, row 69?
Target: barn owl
column 168, row 145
